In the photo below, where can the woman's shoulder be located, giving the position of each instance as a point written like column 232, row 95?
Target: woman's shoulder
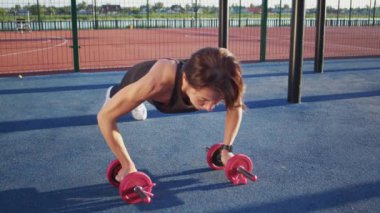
column 161, row 78
column 165, row 70
column 167, row 62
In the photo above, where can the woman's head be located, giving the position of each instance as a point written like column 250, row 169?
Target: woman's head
column 215, row 75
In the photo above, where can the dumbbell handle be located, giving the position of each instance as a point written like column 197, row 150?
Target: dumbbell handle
column 145, row 196
column 247, row 174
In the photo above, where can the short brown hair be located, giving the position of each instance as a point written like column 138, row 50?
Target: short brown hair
column 217, row 69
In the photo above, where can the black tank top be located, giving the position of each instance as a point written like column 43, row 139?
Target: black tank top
column 177, row 103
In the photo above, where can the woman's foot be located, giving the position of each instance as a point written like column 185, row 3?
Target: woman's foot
column 140, row 113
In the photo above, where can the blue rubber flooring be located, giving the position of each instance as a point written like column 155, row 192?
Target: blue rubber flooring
column 322, row 155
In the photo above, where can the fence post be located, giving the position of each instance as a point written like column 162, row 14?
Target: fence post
column 280, row 15
column 196, row 13
column 369, row 13
column 223, row 23
column 374, row 12
column 350, row 14
column 320, row 36
column 147, row 13
column 95, row 16
column 38, row 16
column 338, row 11
column 75, row 35
column 296, row 47
column 240, row 13
column 263, row 36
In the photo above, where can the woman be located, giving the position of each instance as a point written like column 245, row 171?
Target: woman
column 210, row 76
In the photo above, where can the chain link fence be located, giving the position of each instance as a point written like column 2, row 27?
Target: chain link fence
column 38, row 35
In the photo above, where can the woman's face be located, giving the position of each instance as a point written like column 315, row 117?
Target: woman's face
column 204, row 98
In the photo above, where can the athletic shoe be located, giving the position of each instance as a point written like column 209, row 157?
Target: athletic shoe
column 108, row 95
column 140, row 113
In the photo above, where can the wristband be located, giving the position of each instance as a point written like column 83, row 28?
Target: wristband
column 227, row 147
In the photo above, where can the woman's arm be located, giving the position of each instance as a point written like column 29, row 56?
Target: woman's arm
column 232, row 125
column 122, row 103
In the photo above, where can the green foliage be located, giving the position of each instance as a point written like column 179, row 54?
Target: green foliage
column 3, row 12
column 82, row 6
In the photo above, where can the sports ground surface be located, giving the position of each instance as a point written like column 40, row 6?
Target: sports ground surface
column 320, row 155
column 51, row 51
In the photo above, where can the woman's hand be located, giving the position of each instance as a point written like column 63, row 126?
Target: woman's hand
column 124, row 172
column 226, row 155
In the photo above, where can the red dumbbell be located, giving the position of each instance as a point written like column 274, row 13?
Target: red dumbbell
column 136, row 187
column 238, row 169
column 214, row 158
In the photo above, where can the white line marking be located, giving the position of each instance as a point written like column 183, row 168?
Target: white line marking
column 38, row 49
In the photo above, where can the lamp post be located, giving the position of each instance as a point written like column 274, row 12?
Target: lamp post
column 94, row 13
column 350, row 14
column 38, row 16
column 280, row 16
column 374, row 13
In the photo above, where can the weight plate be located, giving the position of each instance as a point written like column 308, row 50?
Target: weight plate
column 214, row 158
column 128, row 184
column 112, row 170
column 231, row 168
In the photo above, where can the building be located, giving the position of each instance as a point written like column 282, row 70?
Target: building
column 110, row 9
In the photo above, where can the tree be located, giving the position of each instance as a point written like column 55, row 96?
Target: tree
column 50, row 11
column 82, row 6
column 17, row 7
column 195, row 7
column 3, row 12
column 34, row 9
column 63, row 10
column 133, row 10
column 188, row 8
column 158, row 6
column 330, row 9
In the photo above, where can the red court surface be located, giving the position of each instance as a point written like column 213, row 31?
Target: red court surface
column 48, row 51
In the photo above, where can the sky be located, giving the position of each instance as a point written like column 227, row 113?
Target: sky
column 124, row 3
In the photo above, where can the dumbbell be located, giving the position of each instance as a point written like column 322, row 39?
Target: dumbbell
column 136, row 187
column 214, row 158
column 238, row 169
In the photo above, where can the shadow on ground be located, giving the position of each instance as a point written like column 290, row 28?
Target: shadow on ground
column 85, row 120
column 103, row 196
column 319, row 201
